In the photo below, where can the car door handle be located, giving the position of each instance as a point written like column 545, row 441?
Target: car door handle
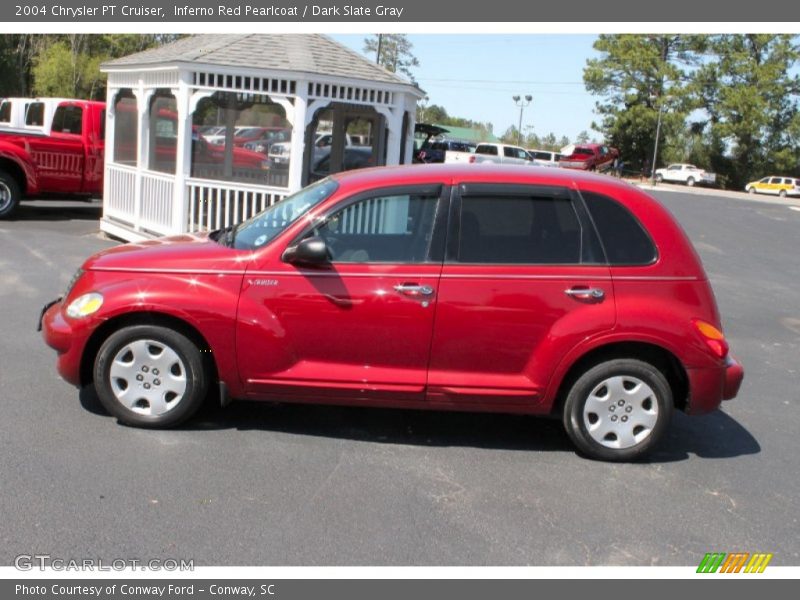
column 413, row 289
column 586, row 293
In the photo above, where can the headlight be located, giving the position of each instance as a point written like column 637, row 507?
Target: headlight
column 85, row 305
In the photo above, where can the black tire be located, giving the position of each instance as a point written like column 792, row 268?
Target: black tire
column 132, row 356
column 646, row 419
column 9, row 195
column 659, row 178
column 782, row 193
column 751, row 190
column 690, row 182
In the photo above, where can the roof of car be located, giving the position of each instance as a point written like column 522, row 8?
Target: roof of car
column 489, row 173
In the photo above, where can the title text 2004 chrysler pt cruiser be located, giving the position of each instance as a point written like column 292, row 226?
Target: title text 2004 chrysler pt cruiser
column 510, row 289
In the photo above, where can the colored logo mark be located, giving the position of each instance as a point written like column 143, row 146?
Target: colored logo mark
column 736, row 562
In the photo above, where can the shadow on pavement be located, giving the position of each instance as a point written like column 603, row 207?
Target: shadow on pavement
column 712, row 436
column 58, row 210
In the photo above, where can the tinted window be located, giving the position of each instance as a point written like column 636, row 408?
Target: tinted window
column 775, row 180
column 5, row 112
column 67, row 119
column 35, row 114
column 518, row 230
column 395, row 229
column 482, row 149
column 625, row 240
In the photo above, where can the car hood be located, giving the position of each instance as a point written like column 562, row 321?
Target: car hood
column 185, row 253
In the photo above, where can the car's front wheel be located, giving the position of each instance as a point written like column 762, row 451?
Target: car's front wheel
column 751, row 190
column 782, row 193
column 150, row 376
column 659, row 177
column 9, row 195
column 618, row 410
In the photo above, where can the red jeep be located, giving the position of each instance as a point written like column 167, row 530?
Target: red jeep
column 511, row 289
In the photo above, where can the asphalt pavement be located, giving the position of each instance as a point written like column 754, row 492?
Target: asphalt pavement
column 266, row 484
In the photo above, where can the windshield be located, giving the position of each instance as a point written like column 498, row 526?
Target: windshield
column 266, row 225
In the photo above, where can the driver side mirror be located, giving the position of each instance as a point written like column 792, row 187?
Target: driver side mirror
column 311, row 251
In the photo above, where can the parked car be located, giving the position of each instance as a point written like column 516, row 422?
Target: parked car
column 588, row 157
column 504, row 154
column 545, row 158
column 63, row 153
column 436, row 150
column 355, row 157
column 554, row 293
column 280, row 152
column 271, row 135
column 683, row 173
column 778, row 186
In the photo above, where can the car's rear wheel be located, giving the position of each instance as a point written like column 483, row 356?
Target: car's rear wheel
column 618, row 410
column 690, row 182
column 150, row 376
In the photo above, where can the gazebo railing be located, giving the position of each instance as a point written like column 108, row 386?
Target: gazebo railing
column 157, row 201
column 214, row 204
column 120, row 197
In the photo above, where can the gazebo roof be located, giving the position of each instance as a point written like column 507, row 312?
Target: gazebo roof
column 302, row 53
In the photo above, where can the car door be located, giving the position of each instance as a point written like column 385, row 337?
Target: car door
column 524, row 281
column 61, row 156
column 358, row 328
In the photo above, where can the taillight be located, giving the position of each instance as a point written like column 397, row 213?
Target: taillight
column 713, row 337
column 471, row 159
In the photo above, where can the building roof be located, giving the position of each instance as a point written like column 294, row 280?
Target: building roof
column 467, row 134
column 304, row 53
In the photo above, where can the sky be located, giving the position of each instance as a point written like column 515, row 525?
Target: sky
column 476, row 76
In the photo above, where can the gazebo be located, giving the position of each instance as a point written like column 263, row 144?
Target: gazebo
column 211, row 129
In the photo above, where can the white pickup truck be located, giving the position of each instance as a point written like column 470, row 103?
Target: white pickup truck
column 683, row 173
column 491, row 153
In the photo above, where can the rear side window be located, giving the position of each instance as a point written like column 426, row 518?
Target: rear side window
column 486, row 150
column 519, row 230
column 624, row 239
column 35, row 114
column 68, row 119
column 5, row 112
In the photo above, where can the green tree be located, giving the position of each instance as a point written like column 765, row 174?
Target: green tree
column 69, row 65
column 748, row 92
column 395, row 53
column 636, row 76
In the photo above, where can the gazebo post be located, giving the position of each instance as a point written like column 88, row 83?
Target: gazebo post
column 183, row 153
column 298, row 144
column 143, row 96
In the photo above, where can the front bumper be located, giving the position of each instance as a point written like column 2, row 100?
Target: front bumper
column 65, row 339
column 709, row 387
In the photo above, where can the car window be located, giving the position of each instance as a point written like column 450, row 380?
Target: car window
column 266, row 225
column 384, row 229
column 68, row 119
column 775, row 180
column 485, row 149
column 625, row 240
column 5, row 112
column 35, row 114
column 511, row 229
column 674, row 168
column 765, row 180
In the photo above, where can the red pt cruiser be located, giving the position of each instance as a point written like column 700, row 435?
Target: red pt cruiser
column 508, row 289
